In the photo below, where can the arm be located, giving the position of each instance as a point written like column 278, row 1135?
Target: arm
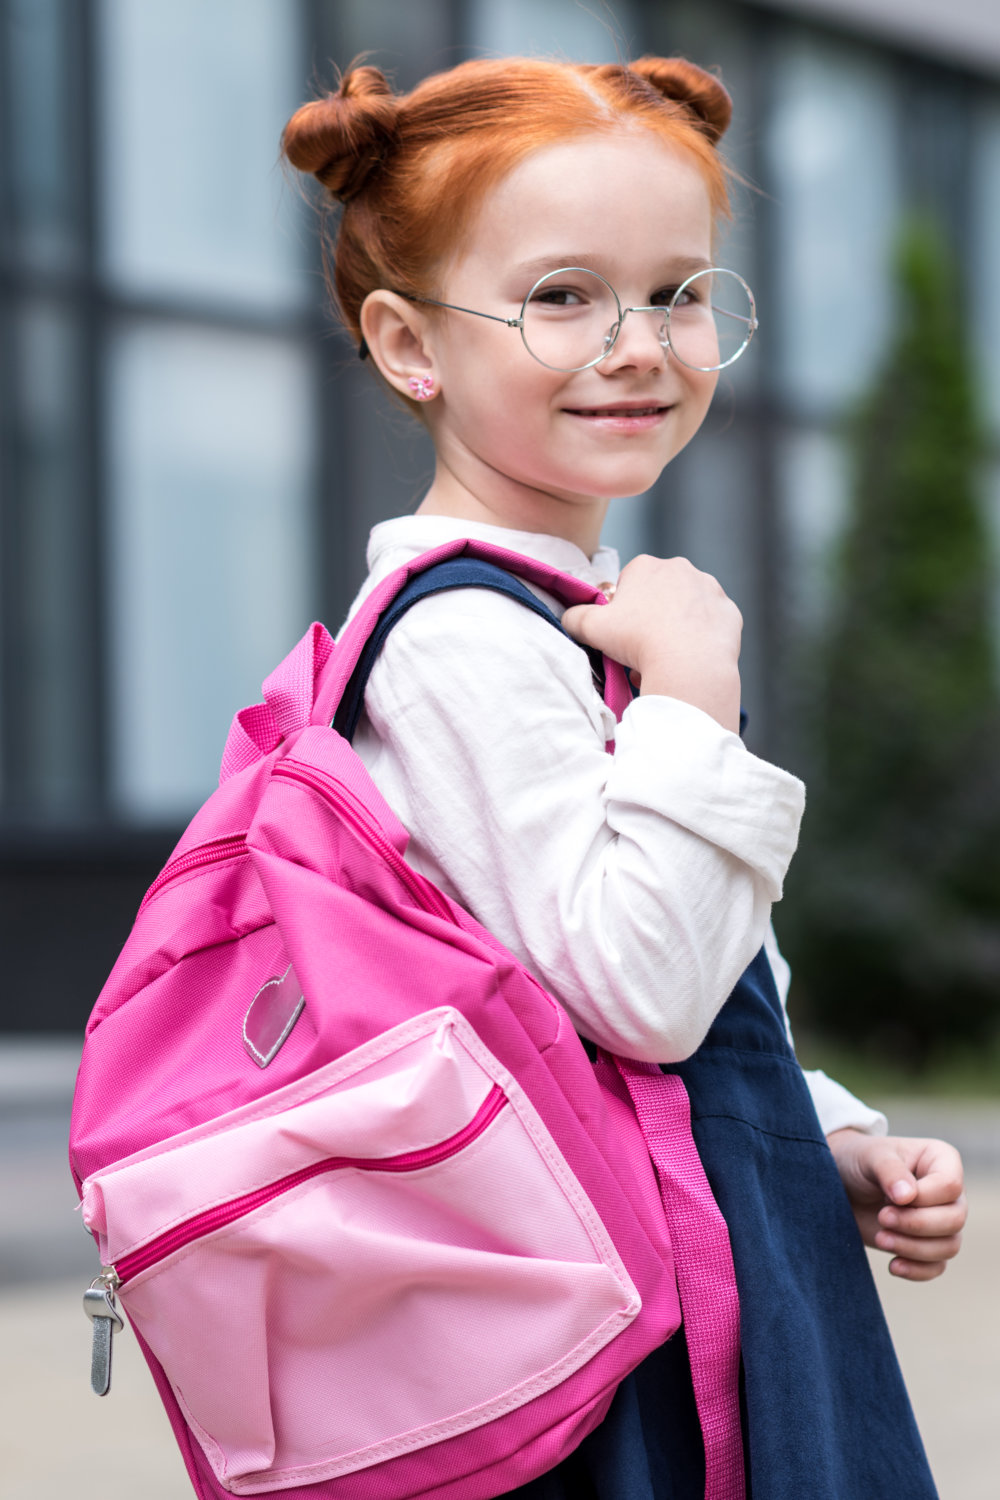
column 637, row 887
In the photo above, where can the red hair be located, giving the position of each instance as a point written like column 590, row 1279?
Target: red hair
column 412, row 170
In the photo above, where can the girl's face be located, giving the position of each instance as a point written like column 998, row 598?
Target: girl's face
column 542, row 449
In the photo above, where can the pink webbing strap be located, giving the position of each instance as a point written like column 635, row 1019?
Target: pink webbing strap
column 307, row 686
column 289, row 693
column 332, row 683
column 706, row 1279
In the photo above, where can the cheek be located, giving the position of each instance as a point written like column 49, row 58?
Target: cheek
column 484, row 373
column 499, row 417
column 497, row 393
column 701, row 389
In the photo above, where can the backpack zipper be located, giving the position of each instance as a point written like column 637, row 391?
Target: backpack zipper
column 354, row 814
column 230, row 846
column 357, row 817
column 222, row 1214
column 99, row 1301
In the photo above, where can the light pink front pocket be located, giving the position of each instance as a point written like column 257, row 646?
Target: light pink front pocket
column 380, row 1256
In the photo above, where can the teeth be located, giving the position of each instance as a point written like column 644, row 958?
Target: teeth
column 620, row 411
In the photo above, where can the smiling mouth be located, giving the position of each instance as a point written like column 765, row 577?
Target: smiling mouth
column 617, row 411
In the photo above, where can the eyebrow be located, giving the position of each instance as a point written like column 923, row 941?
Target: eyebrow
column 552, row 262
column 685, row 265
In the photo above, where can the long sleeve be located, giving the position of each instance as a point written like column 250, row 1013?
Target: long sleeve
column 635, row 887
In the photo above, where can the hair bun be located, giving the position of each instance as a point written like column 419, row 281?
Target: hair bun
column 676, row 78
column 343, row 137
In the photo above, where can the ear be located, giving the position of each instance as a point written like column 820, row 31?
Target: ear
column 396, row 331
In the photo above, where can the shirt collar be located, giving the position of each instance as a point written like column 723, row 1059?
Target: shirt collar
column 411, row 535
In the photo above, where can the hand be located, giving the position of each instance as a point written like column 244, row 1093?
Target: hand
column 675, row 628
column 907, row 1196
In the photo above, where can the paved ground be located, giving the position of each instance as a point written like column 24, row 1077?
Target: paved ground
column 60, row 1440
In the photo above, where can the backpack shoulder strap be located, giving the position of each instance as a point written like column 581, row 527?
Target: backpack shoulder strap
column 456, row 573
column 308, row 686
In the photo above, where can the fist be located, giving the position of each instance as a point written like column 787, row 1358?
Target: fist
column 908, row 1196
column 675, row 628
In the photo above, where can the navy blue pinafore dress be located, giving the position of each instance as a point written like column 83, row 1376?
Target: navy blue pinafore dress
column 825, row 1411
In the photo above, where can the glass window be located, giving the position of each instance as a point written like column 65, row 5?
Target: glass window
column 194, row 98
column 984, row 288
column 720, row 37
column 210, row 559
column 833, row 173
column 407, row 38
column 45, row 166
column 51, row 702
column 551, row 27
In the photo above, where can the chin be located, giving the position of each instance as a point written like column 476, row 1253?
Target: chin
column 635, row 481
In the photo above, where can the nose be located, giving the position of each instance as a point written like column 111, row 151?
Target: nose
column 641, row 342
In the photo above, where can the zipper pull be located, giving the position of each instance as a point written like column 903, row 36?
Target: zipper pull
column 99, row 1305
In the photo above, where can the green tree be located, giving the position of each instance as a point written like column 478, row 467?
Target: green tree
column 897, row 917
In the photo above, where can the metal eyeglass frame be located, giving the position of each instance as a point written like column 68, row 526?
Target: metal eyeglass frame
column 611, row 338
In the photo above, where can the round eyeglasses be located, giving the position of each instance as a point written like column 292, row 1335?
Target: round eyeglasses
column 571, row 319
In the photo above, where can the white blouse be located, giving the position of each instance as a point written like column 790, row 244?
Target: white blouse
column 635, row 887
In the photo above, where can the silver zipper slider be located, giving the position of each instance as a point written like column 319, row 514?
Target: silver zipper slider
column 99, row 1305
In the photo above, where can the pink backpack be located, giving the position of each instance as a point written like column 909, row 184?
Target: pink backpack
column 381, row 1227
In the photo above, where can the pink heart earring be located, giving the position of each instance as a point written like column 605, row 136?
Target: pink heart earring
column 422, row 387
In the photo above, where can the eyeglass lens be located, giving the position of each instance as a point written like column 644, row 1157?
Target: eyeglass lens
column 571, row 319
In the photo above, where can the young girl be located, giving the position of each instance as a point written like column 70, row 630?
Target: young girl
column 521, row 255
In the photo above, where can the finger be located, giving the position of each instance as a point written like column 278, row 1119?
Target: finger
column 938, row 1187
column 927, row 1223
column 936, row 1166
column 911, row 1270
column 890, row 1173
column 922, row 1251
column 579, row 620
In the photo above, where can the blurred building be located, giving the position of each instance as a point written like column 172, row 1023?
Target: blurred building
column 191, row 458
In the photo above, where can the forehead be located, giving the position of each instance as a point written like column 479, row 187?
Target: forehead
column 618, row 197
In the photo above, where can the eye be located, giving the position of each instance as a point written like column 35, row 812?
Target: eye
column 690, row 297
column 559, row 296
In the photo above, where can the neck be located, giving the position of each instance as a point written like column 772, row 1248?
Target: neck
column 516, row 507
